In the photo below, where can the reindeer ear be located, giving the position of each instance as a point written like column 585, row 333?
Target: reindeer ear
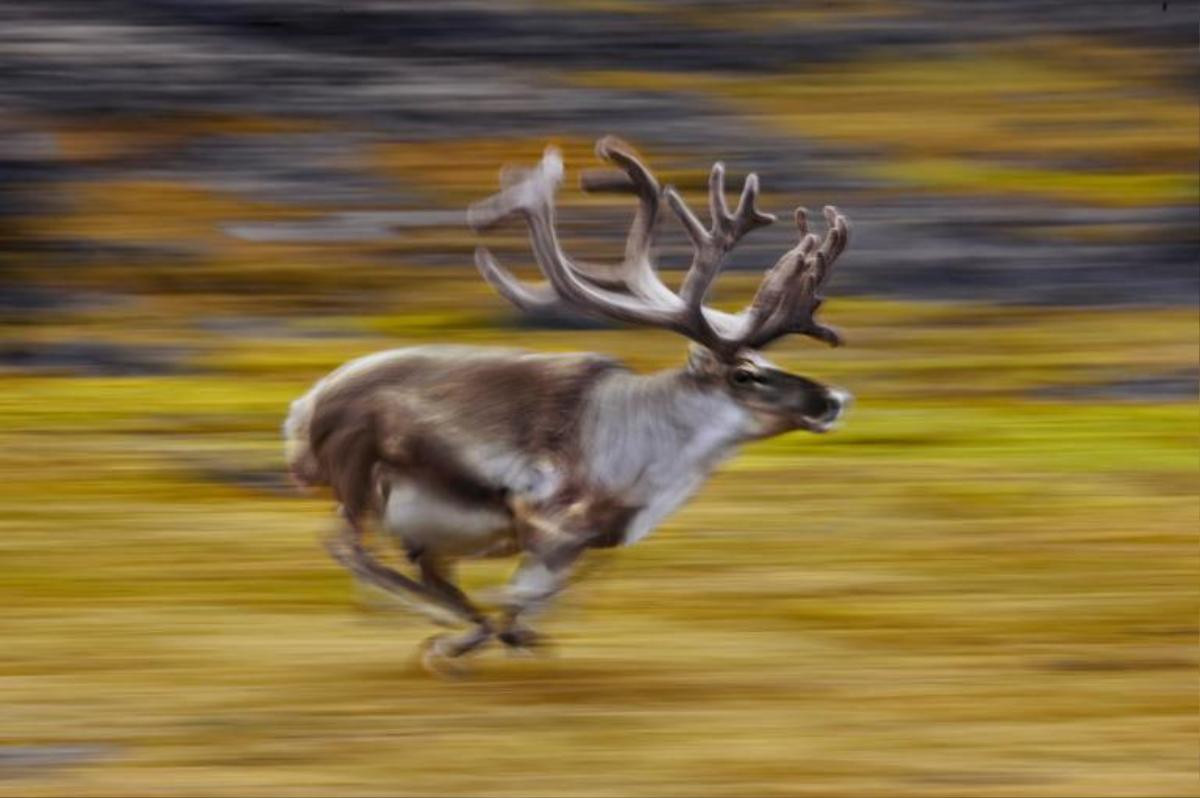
column 702, row 362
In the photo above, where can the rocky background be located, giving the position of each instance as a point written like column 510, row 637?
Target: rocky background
column 1019, row 152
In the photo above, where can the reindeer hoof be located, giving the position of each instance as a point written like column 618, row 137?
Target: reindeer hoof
column 522, row 638
column 436, row 657
column 440, row 654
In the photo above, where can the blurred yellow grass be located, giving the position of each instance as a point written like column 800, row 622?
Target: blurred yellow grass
column 967, row 591
column 992, row 120
column 977, row 588
column 150, row 211
column 964, row 176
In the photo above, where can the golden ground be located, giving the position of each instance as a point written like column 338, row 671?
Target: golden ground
column 977, row 588
column 970, row 590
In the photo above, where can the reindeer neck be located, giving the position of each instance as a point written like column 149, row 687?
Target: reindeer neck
column 646, row 434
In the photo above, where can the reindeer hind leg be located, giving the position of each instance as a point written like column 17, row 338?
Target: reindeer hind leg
column 347, row 549
column 438, row 582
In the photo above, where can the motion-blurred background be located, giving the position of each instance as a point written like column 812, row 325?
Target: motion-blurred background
column 986, row 584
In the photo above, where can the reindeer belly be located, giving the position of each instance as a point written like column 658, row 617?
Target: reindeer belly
column 424, row 519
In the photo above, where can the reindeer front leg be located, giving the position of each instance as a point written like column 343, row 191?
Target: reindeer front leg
column 539, row 578
column 553, row 543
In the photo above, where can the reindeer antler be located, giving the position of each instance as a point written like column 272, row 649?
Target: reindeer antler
column 632, row 291
column 790, row 292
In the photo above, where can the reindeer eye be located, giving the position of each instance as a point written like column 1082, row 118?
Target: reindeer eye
column 744, row 376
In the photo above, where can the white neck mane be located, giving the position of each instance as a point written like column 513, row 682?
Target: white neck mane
column 653, row 440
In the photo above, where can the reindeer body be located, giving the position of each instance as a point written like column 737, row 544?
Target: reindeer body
column 438, row 441
column 474, row 452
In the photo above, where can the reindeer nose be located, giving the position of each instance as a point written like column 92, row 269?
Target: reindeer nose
column 838, row 402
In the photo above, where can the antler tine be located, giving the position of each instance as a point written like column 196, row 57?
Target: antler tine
column 530, row 298
column 839, row 231
column 781, row 279
column 810, row 267
column 747, row 217
column 711, row 246
column 636, row 273
column 836, row 238
column 718, row 210
column 778, row 290
column 692, row 225
column 801, row 217
column 523, row 189
column 532, row 198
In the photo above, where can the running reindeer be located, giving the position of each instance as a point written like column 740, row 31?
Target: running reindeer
column 463, row 452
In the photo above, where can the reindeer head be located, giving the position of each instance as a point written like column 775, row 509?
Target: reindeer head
column 725, row 353
column 777, row 400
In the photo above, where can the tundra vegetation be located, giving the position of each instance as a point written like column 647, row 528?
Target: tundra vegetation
column 985, row 584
